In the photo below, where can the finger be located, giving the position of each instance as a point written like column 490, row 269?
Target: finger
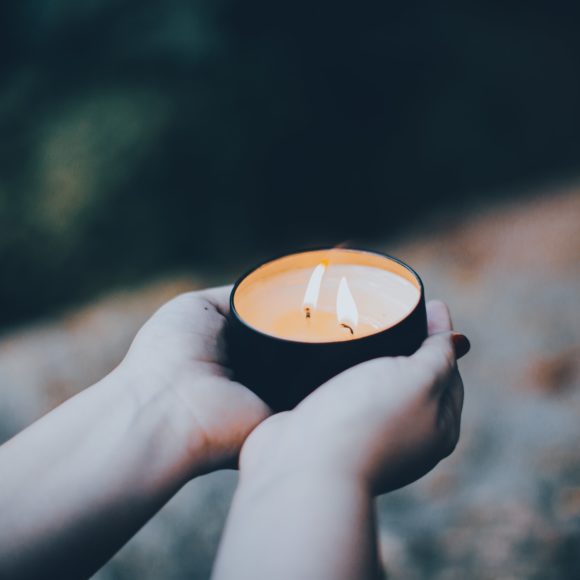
column 436, row 357
column 218, row 297
column 458, row 395
column 454, row 396
column 199, row 317
column 437, row 349
column 438, row 317
column 452, row 407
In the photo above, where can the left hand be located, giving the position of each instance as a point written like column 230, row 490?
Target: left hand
column 177, row 359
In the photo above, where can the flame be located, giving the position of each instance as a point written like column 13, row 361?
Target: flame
column 313, row 289
column 346, row 310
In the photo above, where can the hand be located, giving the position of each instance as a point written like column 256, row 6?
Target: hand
column 176, row 360
column 385, row 422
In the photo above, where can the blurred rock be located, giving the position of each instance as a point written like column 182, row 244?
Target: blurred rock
column 41, row 366
column 552, row 374
column 505, row 505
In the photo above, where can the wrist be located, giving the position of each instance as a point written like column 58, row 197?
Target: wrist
column 175, row 444
column 277, row 453
column 297, row 480
column 206, row 418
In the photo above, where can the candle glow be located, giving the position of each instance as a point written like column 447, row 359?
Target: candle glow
column 346, row 310
column 313, row 289
column 298, row 320
column 326, row 296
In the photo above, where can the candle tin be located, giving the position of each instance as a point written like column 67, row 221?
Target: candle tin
column 282, row 372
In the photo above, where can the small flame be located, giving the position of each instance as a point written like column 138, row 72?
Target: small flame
column 346, row 310
column 313, row 289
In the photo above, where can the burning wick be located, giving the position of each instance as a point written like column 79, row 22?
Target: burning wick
column 346, row 310
column 313, row 289
column 347, row 326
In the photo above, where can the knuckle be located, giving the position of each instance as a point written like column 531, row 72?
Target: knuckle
column 435, row 361
column 450, row 442
column 443, row 360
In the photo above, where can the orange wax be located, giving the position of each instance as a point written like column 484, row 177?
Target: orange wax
column 294, row 325
column 271, row 298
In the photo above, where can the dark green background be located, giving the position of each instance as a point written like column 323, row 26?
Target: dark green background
column 143, row 137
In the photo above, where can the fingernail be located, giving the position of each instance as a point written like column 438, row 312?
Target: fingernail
column 461, row 344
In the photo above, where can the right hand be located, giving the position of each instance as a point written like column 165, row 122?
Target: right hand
column 385, row 422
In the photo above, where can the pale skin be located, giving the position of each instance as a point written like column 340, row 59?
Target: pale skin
column 78, row 483
column 304, row 504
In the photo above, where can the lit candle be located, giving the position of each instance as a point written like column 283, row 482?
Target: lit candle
column 319, row 323
column 348, row 295
column 346, row 310
column 302, row 318
column 313, row 289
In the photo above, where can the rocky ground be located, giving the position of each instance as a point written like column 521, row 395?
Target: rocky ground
column 505, row 505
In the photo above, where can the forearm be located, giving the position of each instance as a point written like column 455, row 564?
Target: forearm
column 79, row 482
column 303, row 525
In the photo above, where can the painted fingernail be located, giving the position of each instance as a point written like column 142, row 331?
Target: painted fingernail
column 461, row 344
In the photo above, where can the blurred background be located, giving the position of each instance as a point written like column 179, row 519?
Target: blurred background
column 147, row 148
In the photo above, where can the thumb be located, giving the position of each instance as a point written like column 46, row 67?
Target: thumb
column 438, row 317
column 218, row 297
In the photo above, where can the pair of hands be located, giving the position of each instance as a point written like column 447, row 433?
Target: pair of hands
column 385, row 422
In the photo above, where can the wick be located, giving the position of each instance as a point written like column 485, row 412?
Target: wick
column 307, row 312
column 347, row 326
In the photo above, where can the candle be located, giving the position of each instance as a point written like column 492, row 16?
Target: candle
column 298, row 320
column 348, row 295
column 313, row 289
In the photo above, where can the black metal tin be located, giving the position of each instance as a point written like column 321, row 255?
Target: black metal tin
column 283, row 372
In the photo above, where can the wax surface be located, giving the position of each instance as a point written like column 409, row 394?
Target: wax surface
column 272, row 300
column 295, row 326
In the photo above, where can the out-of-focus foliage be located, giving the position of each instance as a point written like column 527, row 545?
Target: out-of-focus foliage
column 142, row 136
